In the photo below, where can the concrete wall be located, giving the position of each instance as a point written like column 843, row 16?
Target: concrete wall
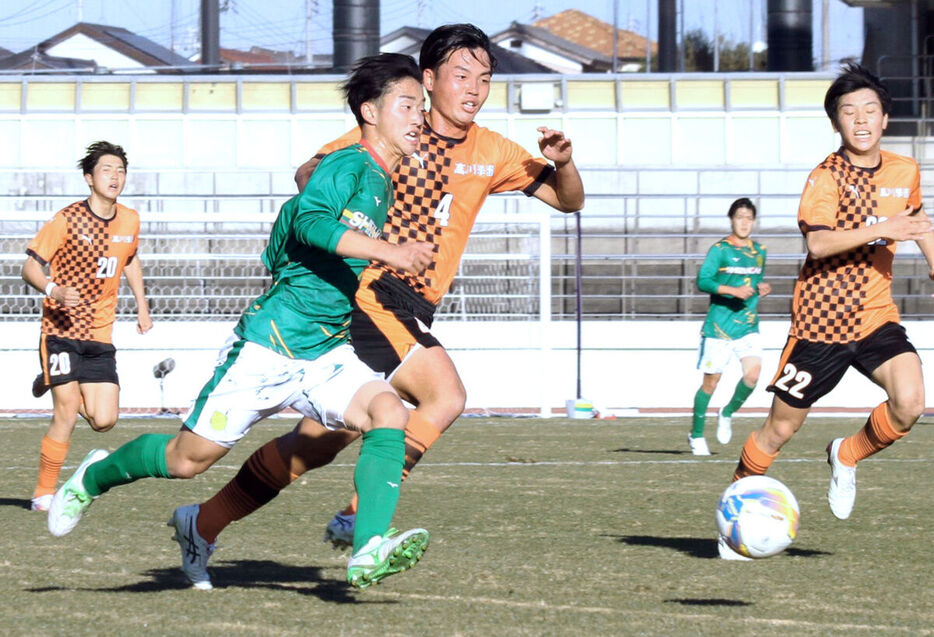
column 627, row 365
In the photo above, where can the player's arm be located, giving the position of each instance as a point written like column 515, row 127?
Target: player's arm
column 411, row 256
column 134, row 278
column 303, row 174
column 34, row 274
column 707, row 278
column 763, row 288
column 563, row 190
column 905, row 226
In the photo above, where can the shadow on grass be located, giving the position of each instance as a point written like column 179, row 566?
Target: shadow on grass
column 246, row 574
column 670, row 452
column 15, row 502
column 705, row 548
column 707, row 601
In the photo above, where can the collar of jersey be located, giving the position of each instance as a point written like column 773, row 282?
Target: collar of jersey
column 374, row 155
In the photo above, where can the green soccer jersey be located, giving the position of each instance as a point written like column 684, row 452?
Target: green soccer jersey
column 307, row 310
column 726, row 264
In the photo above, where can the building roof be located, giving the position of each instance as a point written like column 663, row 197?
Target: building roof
column 5, row 52
column 545, row 39
column 592, row 33
column 35, row 60
column 408, row 40
column 136, row 47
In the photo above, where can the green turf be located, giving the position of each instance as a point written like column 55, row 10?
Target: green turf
column 538, row 527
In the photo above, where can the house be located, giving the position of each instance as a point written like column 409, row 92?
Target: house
column 575, row 42
column 408, row 40
column 104, row 47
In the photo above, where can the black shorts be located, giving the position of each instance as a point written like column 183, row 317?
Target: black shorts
column 807, row 371
column 65, row 360
column 390, row 319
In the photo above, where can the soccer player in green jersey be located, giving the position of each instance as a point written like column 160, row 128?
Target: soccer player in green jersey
column 291, row 347
column 732, row 275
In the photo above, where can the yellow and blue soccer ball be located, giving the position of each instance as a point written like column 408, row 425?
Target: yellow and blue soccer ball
column 758, row 516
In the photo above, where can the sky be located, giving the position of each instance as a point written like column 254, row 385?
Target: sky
column 281, row 24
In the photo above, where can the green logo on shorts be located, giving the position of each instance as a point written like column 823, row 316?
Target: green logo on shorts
column 218, row 421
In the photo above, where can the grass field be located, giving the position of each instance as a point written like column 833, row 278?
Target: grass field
column 539, row 527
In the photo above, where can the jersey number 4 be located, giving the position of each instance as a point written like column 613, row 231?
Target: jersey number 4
column 790, row 374
column 443, row 211
column 106, row 267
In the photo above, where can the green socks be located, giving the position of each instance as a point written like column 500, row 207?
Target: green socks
column 142, row 457
column 740, row 394
column 377, row 479
column 701, row 400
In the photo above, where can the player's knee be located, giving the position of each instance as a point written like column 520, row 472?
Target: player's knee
column 907, row 408
column 185, row 469
column 387, row 412
column 101, row 426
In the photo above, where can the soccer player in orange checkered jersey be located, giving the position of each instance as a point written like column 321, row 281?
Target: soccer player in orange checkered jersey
column 439, row 192
column 86, row 246
column 856, row 206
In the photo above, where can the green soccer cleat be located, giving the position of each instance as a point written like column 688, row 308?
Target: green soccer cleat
column 72, row 500
column 386, row 555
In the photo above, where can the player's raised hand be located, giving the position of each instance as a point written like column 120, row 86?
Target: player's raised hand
column 907, row 225
column 554, row 145
column 65, row 295
column 412, row 256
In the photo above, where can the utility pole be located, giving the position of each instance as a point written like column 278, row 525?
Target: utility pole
column 311, row 8
column 80, row 10
column 825, row 35
column 716, row 39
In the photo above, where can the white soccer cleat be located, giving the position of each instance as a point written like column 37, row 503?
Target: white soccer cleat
column 724, row 427
column 41, row 503
column 386, row 555
column 842, row 491
column 72, row 500
column 195, row 550
column 339, row 531
column 727, row 553
column 698, row 446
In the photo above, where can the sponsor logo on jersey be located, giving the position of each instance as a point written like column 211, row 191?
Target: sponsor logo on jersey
column 903, row 193
column 481, row 170
column 735, row 269
column 359, row 221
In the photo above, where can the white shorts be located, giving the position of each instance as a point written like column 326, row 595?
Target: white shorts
column 715, row 353
column 252, row 382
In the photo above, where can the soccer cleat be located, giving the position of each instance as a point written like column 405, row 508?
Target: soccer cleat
column 41, row 503
column 842, row 491
column 724, row 427
column 386, row 555
column 195, row 550
column 698, row 446
column 339, row 531
column 72, row 500
column 727, row 553
column 38, row 386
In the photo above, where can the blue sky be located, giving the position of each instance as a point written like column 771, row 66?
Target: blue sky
column 280, row 24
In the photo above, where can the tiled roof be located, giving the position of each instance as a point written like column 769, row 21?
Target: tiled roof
column 586, row 30
column 141, row 49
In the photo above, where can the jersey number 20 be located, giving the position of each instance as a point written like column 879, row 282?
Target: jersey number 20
column 106, row 267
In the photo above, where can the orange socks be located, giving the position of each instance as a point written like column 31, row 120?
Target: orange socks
column 876, row 435
column 420, row 434
column 51, row 458
column 259, row 480
column 753, row 461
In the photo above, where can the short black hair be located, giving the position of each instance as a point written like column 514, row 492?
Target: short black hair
column 853, row 78
column 742, row 202
column 95, row 151
column 372, row 76
column 446, row 39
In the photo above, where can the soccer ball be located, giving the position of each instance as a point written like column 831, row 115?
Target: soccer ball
column 758, row 516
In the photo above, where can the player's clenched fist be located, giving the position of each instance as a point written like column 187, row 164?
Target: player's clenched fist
column 412, row 256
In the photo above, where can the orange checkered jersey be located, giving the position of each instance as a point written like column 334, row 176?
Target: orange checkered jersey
column 845, row 297
column 439, row 191
column 89, row 253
